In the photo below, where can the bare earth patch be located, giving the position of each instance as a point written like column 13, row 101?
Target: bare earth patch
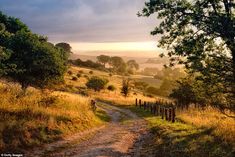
column 123, row 136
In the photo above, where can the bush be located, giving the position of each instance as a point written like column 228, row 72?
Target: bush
column 111, row 88
column 110, row 74
column 70, row 72
column 150, row 95
column 96, row 83
column 74, row 78
column 126, row 87
column 80, row 71
column 87, row 77
column 152, row 90
column 79, row 75
column 89, row 64
column 48, row 101
column 141, row 85
column 91, row 72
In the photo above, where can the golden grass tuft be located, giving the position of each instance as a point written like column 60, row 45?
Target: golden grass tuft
column 35, row 118
column 223, row 126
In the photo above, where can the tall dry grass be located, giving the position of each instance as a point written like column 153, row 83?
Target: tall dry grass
column 35, row 118
column 222, row 126
column 117, row 98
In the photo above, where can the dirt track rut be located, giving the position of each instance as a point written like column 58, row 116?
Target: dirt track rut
column 123, row 136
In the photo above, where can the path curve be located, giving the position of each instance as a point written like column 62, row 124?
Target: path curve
column 123, row 136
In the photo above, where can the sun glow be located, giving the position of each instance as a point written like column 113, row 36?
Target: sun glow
column 116, row 46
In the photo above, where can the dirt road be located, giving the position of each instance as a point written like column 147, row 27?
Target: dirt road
column 123, row 136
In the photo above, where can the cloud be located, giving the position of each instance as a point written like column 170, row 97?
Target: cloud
column 83, row 20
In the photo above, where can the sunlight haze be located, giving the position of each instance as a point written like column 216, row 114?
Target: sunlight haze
column 94, row 25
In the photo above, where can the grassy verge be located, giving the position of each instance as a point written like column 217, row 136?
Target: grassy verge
column 184, row 139
column 37, row 118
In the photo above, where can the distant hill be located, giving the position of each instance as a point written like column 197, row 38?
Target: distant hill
column 144, row 62
column 139, row 60
column 157, row 60
column 82, row 57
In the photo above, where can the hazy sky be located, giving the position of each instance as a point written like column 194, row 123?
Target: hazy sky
column 87, row 25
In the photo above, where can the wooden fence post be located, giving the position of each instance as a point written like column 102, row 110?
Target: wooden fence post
column 136, row 102
column 166, row 115
column 151, row 108
column 173, row 114
column 154, row 109
column 158, row 110
column 163, row 110
column 148, row 106
column 144, row 105
column 170, row 114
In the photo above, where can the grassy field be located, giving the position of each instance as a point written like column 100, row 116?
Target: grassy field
column 115, row 80
column 189, row 138
column 37, row 118
column 196, row 133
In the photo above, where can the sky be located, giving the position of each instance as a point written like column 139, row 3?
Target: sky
column 88, row 25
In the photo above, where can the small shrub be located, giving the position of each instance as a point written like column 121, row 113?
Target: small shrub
column 80, row 71
column 74, row 78
column 130, row 71
column 111, row 88
column 110, row 74
column 70, row 72
column 91, row 72
column 126, row 86
column 140, row 85
column 48, row 101
column 96, row 83
column 152, row 90
column 149, row 95
column 87, row 77
column 79, row 75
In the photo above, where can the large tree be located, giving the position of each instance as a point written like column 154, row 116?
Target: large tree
column 37, row 63
column 28, row 58
column 103, row 59
column 201, row 35
column 118, row 64
column 133, row 64
column 65, row 46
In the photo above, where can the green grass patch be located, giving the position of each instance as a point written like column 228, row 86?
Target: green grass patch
column 182, row 140
column 102, row 115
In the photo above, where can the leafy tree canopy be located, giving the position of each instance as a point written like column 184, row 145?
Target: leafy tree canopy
column 199, row 31
column 96, row 83
column 201, row 35
column 28, row 58
column 133, row 64
column 103, row 59
column 126, row 86
column 65, row 46
column 12, row 24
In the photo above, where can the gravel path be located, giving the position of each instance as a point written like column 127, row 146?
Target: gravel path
column 123, row 136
